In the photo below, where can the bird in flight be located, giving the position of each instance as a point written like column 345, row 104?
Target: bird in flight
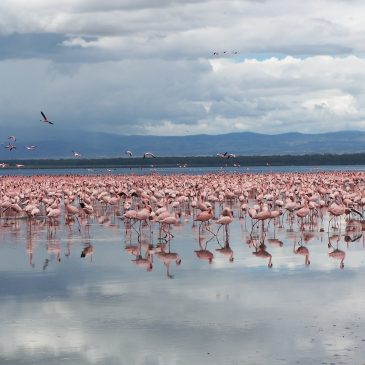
column 10, row 147
column 19, row 165
column 30, row 148
column 148, row 154
column 76, row 154
column 129, row 153
column 45, row 119
column 12, row 138
column 226, row 155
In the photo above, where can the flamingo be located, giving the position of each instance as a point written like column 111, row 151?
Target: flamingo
column 72, row 211
column 226, row 155
column 129, row 153
column 10, row 147
column 45, row 119
column 148, row 154
column 303, row 213
column 225, row 220
column 30, row 147
column 204, row 217
column 76, row 154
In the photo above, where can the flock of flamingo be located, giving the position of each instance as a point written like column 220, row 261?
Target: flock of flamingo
column 151, row 208
column 12, row 139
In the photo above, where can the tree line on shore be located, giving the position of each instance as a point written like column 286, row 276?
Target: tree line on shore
column 195, row 161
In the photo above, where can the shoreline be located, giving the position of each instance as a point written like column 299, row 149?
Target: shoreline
column 188, row 161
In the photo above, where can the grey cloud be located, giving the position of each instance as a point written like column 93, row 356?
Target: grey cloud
column 125, row 68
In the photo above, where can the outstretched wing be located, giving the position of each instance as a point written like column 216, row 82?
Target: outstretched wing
column 146, row 154
column 44, row 116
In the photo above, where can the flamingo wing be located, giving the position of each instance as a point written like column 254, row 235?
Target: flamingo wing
column 44, row 116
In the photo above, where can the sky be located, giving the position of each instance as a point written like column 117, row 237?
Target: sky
column 149, row 67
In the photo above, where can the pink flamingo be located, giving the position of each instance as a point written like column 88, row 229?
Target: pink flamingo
column 45, row 119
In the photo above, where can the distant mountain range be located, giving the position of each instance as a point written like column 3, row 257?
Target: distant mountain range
column 93, row 145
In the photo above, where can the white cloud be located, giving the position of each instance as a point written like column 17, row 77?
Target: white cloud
column 133, row 67
column 190, row 96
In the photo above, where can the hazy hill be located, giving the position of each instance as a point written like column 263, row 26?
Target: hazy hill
column 91, row 144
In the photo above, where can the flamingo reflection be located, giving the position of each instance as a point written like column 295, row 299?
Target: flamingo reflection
column 260, row 251
column 336, row 253
column 29, row 248
column 203, row 253
column 53, row 251
column 302, row 250
column 144, row 261
column 88, row 251
column 226, row 251
column 168, row 257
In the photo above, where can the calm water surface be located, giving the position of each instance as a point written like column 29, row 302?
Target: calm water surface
column 60, row 308
column 177, row 170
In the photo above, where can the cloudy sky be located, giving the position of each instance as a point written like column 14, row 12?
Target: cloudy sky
column 148, row 67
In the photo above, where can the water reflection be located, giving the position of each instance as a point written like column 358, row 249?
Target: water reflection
column 88, row 251
column 226, row 250
column 267, row 242
column 335, row 252
column 99, row 290
column 203, row 253
column 300, row 249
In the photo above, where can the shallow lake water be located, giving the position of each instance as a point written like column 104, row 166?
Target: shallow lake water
column 24, row 171
column 58, row 307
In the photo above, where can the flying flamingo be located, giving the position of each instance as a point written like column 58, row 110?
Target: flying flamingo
column 226, row 155
column 10, row 147
column 45, row 119
column 148, row 154
column 30, row 148
column 76, row 154
column 129, row 153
